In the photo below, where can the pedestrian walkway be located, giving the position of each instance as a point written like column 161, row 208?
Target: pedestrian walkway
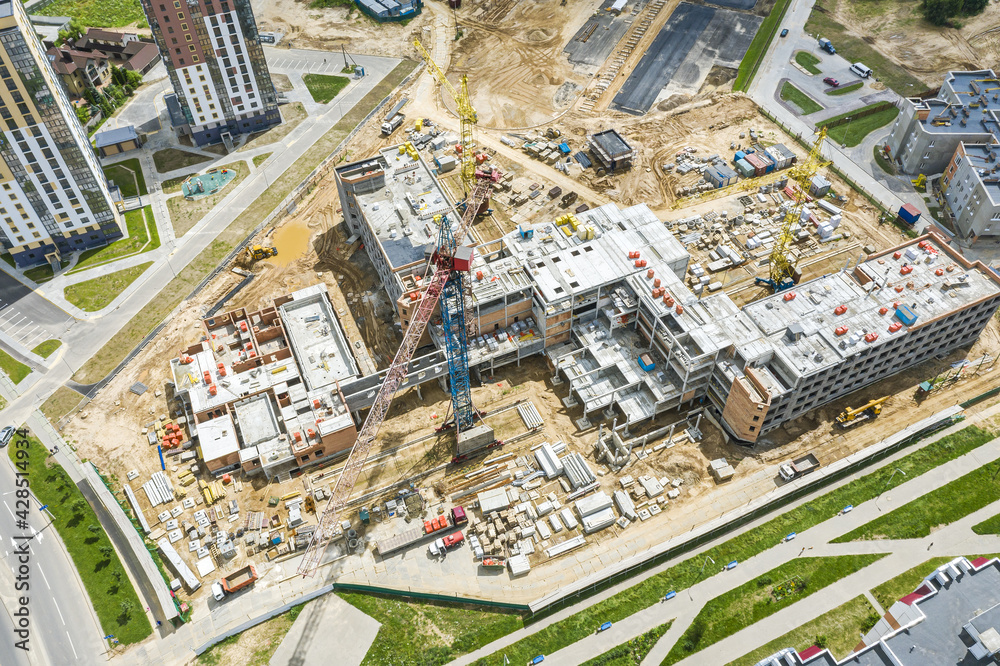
column 319, row 631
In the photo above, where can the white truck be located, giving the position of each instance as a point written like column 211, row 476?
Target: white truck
column 392, row 124
column 798, row 467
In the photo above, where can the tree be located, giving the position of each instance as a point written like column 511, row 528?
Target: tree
column 106, row 551
column 94, row 529
column 939, row 12
column 79, row 506
column 83, row 115
column 973, row 7
column 820, row 641
column 127, row 608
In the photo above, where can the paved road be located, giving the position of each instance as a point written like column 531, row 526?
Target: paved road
column 64, row 629
column 26, row 317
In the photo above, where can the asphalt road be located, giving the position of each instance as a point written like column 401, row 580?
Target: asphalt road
column 63, row 629
column 26, row 316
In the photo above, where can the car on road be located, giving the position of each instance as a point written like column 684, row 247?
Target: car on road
column 217, row 591
column 784, row 33
column 832, row 82
column 6, row 435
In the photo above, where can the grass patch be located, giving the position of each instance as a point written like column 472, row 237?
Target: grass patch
column 43, row 273
column 142, row 237
column 742, row 547
column 127, row 175
column 425, row 633
column 185, row 214
column 941, row 506
column 260, row 159
column 882, row 161
column 324, row 87
column 13, row 368
column 751, row 59
column 105, row 579
column 854, row 132
column 170, row 159
column 896, row 588
column 108, row 356
column 855, row 49
column 843, row 90
column 836, row 630
column 753, row 601
column 988, row 526
column 790, row 93
column 97, row 294
column 253, row 647
column 630, row 653
column 281, row 82
column 98, row 13
column 60, row 403
column 9, row 259
column 46, row 348
column 808, row 61
column 291, row 115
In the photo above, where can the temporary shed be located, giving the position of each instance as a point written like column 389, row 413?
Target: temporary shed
column 721, row 175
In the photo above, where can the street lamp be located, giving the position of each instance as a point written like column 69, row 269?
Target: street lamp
column 847, row 131
column 700, row 572
column 887, row 485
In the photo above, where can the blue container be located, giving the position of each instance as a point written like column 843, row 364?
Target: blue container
column 647, row 366
column 906, row 315
column 909, row 213
column 739, row 155
column 564, row 148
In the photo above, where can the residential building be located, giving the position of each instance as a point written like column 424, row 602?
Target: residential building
column 80, row 70
column 956, row 135
column 117, row 141
column 216, row 65
column 953, row 617
column 54, row 198
column 122, row 49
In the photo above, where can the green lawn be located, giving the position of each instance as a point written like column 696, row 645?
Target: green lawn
column 260, row 159
column 111, row 354
column 324, row 87
column 99, row 13
column 127, row 175
column 855, row 49
column 9, row 259
column 142, row 237
column 751, row 59
column 105, row 579
column 808, row 61
column 630, row 653
column 742, row 547
column 882, row 161
column 854, row 132
column 988, row 526
column 751, row 602
column 790, row 93
column 170, row 159
column 843, row 90
column 837, row 630
column 43, row 273
column 426, row 633
column 60, row 403
column 96, row 294
column 941, row 506
column 13, row 368
column 254, row 646
column 896, row 588
column 46, row 348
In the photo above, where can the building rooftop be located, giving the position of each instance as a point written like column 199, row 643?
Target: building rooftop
column 217, row 438
column 316, row 339
column 117, row 135
column 984, row 159
column 612, row 144
column 401, row 214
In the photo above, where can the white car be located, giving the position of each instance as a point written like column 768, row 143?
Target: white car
column 218, row 592
column 437, row 547
column 6, row 435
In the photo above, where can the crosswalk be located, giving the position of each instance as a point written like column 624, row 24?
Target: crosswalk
column 20, row 327
column 333, row 65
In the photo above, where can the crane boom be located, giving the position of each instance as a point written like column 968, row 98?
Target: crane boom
column 467, row 115
column 393, row 380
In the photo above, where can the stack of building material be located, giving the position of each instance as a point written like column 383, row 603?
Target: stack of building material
column 567, row 518
column 518, row 565
column 625, row 505
column 158, row 489
column 135, row 507
column 548, row 461
column 171, row 555
column 652, row 487
column 577, row 471
column 595, row 512
column 529, row 414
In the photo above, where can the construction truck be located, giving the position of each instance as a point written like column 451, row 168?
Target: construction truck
column 392, row 124
column 796, row 468
column 867, row 412
column 256, row 253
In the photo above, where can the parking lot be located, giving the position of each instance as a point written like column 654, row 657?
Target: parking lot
column 26, row 317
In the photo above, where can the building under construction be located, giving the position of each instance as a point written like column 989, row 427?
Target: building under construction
column 602, row 295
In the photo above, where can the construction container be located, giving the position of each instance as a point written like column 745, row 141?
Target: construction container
column 819, row 186
column 720, row 176
column 745, row 168
column 445, row 163
column 759, row 165
column 909, row 214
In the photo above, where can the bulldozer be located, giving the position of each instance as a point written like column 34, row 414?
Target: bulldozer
column 255, row 253
column 854, row 416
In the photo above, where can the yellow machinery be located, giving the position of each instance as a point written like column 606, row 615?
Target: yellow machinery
column 920, row 182
column 256, row 253
column 466, row 115
column 782, row 267
column 867, row 412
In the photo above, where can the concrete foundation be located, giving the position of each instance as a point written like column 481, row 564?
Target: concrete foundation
column 475, row 439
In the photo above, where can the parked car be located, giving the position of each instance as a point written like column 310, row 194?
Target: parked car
column 784, row 33
column 6, row 435
column 832, row 82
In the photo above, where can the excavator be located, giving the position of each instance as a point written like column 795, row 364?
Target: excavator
column 255, row 253
column 867, row 412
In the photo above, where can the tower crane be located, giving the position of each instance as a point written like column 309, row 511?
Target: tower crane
column 467, row 115
column 782, row 266
column 442, row 269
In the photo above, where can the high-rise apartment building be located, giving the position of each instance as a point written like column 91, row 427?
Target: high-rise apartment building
column 216, row 64
column 54, row 198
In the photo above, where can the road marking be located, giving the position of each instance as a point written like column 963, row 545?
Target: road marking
column 8, row 509
column 50, row 587
column 75, row 655
column 59, row 611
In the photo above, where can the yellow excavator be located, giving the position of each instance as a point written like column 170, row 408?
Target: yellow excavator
column 853, row 416
column 255, row 253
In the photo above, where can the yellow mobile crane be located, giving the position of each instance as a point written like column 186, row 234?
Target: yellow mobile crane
column 867, row 412
column 466, row 114
column 782, row 267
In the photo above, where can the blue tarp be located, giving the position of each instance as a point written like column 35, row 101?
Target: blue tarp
column 582, row 158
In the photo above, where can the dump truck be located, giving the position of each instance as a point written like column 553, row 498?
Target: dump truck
column 237, row 580
column 800, row 467
column 851, row 417
column 392, row 124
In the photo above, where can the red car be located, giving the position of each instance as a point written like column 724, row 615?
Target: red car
column 832, row 82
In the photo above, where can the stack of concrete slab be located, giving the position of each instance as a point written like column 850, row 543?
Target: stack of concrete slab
column 577, row 471
column 518, row 565
column 595, row 512
column 625, row 505
column 548, row 461
column 158, row 489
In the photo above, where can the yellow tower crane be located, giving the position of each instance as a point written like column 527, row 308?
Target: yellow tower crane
column 466, row 115
column 782, row 266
